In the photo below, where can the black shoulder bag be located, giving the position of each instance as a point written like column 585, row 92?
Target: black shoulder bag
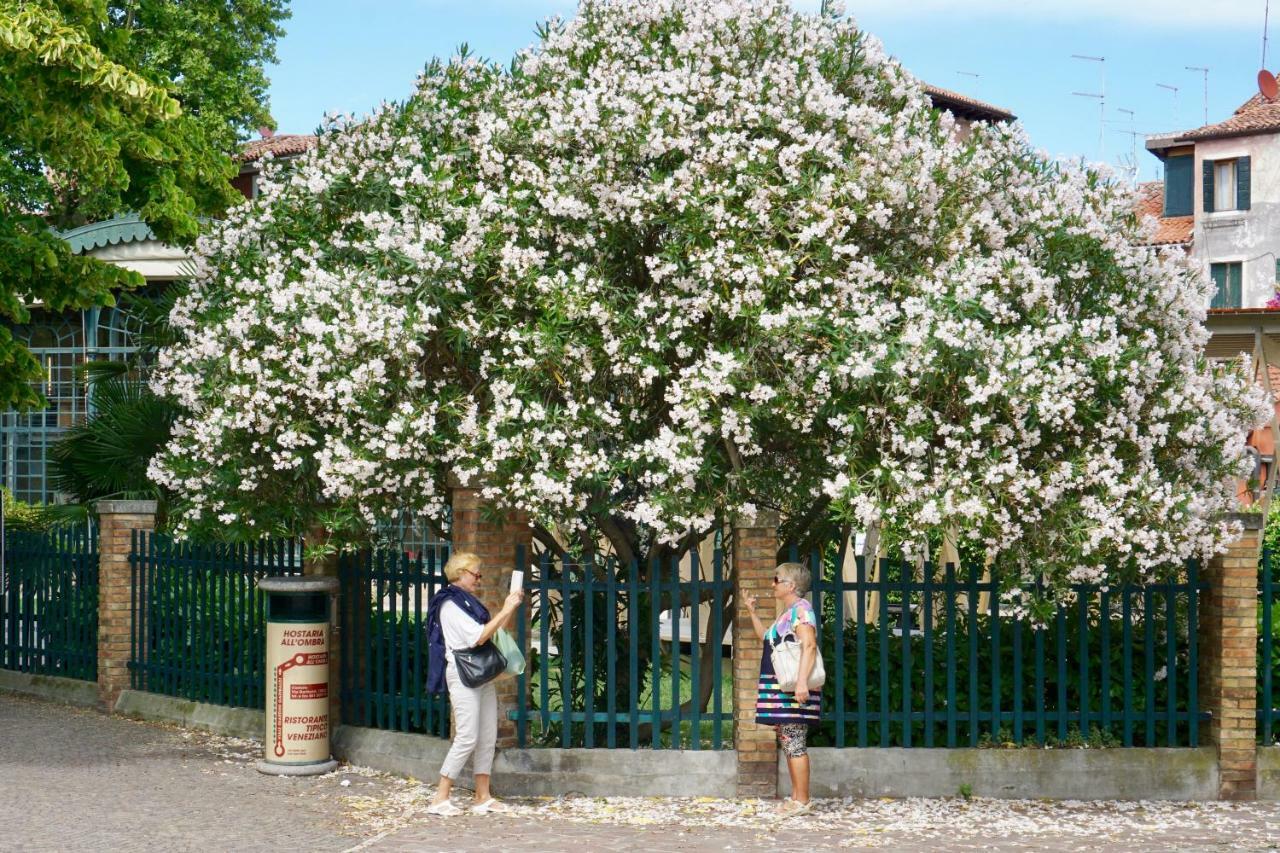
column 479, row 665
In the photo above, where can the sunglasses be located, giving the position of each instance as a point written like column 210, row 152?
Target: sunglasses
column 475, row 575
column 777, row 580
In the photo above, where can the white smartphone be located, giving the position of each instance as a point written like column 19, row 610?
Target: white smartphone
column 517, row 580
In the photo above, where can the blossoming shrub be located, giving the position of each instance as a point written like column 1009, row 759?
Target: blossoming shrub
column 684, row 259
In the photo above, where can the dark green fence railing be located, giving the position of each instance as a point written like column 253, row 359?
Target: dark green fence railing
column 924, row 656
column 1268, row 651
column 625, row 656
column 49, row 603
column 199, row 626
column 383, row 654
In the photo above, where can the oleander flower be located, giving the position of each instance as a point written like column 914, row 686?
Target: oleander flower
column 685, row 258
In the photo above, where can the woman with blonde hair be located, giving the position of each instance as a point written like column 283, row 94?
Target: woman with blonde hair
column 456, row 621
column 791, row 713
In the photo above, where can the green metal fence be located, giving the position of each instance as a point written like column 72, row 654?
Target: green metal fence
column 923, row 656
column 383, row 650
column 49, row 603
column 199, row 626
column 616, row 656
column 1268, row 651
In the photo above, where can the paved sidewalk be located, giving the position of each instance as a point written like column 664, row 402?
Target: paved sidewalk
column 72, row 779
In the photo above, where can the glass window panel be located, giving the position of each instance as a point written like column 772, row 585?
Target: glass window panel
column 1224, row 185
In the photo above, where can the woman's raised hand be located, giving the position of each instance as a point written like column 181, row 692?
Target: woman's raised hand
column 751, row 603
column 514, row 600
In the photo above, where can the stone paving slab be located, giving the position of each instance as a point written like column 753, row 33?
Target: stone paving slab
column 74, row 779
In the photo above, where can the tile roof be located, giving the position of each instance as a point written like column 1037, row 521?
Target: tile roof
column 281, row 145
column 966, row 107
column 1256, row 115
column 1171, row 230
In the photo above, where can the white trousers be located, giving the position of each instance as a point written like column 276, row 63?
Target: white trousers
column 475, row 726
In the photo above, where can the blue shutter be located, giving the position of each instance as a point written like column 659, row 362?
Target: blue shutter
column 1208, row 186
column 1179, row 186
column 1242, row 184
column 1218, row 272
column 1235, row 285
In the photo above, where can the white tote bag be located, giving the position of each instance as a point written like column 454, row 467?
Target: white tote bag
column 786, row 664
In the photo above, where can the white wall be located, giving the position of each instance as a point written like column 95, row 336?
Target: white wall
column 1249, row 236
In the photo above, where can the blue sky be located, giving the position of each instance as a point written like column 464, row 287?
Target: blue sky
column 348, row 55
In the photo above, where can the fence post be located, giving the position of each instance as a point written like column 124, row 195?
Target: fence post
column 116, row 522
column 755, row 556
column 494, row 541
column 327, row 566
column 1228, row 647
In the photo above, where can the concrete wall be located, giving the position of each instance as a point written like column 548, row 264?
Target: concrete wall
column 552, row 772
column 1269, row 773
column 1249, row 236
column 522, row 772
column 1057, row 774
column 69, row 690
column 220, row 719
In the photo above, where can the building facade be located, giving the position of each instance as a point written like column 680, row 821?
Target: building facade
column 1220, row 200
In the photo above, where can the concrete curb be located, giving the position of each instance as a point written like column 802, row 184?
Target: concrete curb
column 551, row 772
column 1083, row 774
column 52, row 687
column 1055, row 774
column 1269, row 773
column 235, row 722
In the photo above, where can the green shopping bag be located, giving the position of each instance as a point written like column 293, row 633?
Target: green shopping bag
column 511, row 651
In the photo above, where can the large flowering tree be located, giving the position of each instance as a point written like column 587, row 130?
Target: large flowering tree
column 685, row 259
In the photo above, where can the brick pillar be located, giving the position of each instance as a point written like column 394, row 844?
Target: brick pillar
column 1228, row 663
column 755, row 556
column 116, row 522
column 494, row 541
column 327, row 567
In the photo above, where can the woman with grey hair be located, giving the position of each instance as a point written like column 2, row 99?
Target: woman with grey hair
column 791, row 713
column 458, row 620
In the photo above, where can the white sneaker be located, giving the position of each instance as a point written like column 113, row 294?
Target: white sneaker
column 444, row 808
column 491, row 805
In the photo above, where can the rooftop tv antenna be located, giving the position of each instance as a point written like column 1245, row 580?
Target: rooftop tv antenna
column 1173, row 89
column 1204, row 71
column 1131, row 161
column 1266, row 19
column 976, row 76
column 1101, row 97
column 1266, row 80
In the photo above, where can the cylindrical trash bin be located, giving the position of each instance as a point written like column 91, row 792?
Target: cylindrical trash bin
column 297, row 737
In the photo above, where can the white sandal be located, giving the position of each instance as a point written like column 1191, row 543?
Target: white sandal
column 491, row 805
column 444, row 808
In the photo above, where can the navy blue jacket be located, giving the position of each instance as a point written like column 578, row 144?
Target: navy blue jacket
column 470, row 605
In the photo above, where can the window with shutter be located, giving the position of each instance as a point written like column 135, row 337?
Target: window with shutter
column 1224, row 184
column 1229, row 280
column 1207, row 181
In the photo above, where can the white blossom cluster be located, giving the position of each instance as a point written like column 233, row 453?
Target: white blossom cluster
column 686, row 258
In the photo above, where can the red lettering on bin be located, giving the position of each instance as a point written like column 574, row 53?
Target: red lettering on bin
column 308, row 691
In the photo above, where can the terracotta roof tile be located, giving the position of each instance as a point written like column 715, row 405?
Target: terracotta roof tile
column 282, row 145
column 965, row 106
column 1171, row 230
column 1256, row 115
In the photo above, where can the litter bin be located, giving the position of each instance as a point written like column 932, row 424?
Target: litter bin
column 297, row 736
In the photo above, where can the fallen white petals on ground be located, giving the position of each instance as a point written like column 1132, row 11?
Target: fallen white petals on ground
column 919, row 819
column 389, row 802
